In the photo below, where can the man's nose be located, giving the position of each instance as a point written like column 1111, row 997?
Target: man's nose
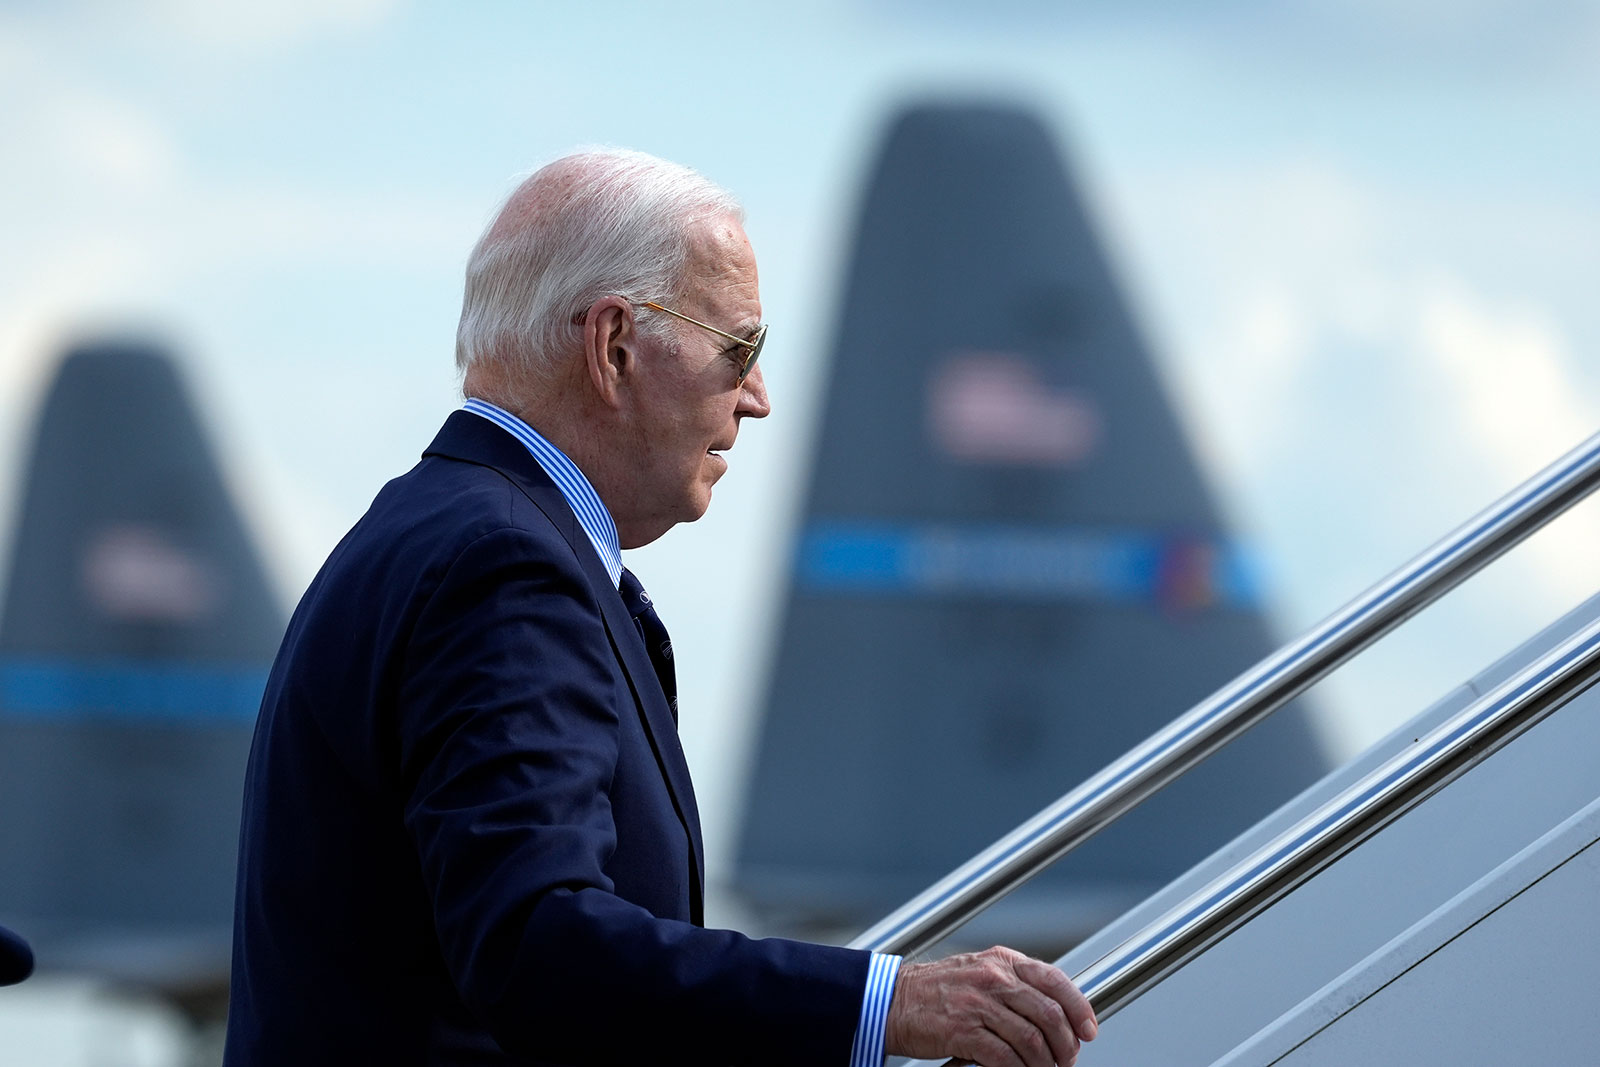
column 753, row 399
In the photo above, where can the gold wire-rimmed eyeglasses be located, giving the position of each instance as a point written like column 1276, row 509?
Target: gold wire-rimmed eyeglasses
column 752, row 345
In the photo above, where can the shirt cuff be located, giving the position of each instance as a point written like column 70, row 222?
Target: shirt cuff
column 868, row 1048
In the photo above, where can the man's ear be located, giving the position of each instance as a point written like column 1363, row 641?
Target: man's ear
column 610, row 347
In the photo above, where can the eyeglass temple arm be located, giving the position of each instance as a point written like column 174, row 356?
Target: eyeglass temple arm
column 702, row 325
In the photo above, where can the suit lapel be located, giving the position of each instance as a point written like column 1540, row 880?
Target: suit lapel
column 473, row 439
column 658, row 724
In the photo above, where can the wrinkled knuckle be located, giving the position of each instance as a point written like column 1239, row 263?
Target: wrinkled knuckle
column 1057, row 981
column 1033, row 1043
column 984, row 1047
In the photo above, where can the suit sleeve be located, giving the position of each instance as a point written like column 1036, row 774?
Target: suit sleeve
column 508, row 722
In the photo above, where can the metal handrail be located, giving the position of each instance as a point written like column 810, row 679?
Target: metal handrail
column 1343, row 822
column 946, row 905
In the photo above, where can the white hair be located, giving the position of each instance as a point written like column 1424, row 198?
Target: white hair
column 591, row 224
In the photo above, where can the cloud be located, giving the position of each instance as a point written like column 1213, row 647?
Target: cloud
column 1472, row 38
column 73, row 132
column 1508, row 384
column 1469, row 42
column 113, row 141
column 1256, row 268
column 1367, row 365
column 1507, row 368
column 253, row 25
column 1313, row 273
column 301, row 225
column 102, row 208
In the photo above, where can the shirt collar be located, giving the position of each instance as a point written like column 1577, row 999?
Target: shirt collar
column 575, row 488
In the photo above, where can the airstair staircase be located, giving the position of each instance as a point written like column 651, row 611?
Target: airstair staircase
column 1436, row 900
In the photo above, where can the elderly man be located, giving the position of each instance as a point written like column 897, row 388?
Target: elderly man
column 469, row 832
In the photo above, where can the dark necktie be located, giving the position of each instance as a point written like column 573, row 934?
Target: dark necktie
column 656, row 640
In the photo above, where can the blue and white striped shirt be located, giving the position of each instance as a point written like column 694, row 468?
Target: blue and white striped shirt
column 597, row 523
column 580, row 495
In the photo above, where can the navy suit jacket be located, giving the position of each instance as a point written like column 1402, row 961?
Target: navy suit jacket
column 469, row 834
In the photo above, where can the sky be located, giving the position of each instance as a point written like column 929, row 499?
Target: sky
column 1362, row 238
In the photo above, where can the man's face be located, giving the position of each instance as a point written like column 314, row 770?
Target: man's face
column 690, row 401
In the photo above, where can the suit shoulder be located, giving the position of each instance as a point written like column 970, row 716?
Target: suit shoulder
column 452, row 503
column 423, row 521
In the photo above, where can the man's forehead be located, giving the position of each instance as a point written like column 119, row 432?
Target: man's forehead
column 720, row 243
column 722, row 267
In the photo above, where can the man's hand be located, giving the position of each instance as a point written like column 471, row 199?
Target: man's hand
column 997, row 1008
